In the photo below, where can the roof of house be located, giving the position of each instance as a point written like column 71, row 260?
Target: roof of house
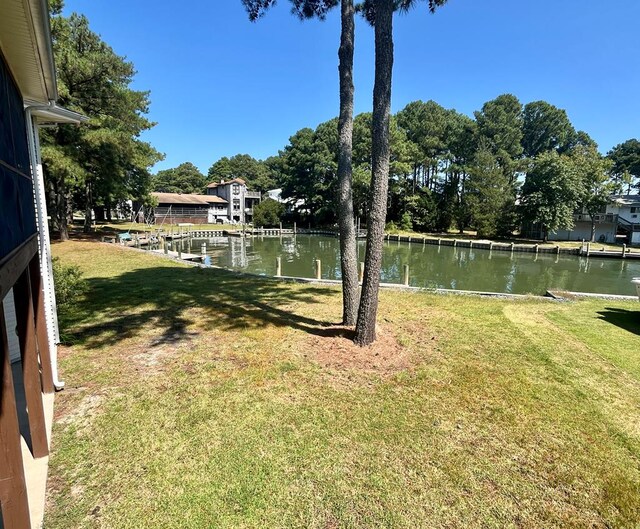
column 26, row 44
column 25, row 39
column 228, row 182
column 187, row 199
column 626, row 200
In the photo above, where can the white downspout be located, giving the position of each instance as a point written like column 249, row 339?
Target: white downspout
column 44, row 241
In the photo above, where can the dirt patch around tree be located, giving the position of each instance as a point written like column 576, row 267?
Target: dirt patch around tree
column 337, row 351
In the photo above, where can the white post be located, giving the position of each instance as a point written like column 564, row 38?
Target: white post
column 278, row 266
column 318, row 269
column 406, row 275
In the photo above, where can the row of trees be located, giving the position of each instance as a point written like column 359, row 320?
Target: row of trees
column 104, row 162
column 510, row 164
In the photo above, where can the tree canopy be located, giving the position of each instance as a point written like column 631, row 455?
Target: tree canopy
column 254, row 172
column 186, row 178
column 105, row 161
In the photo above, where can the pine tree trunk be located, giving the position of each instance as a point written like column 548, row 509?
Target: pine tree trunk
column 366, row 325
column 88, row 207
column 348, row 250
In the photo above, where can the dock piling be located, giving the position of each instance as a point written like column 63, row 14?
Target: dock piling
column 278, row 266
column 406, row 275
column 318, row 269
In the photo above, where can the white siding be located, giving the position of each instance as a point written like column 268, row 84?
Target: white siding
column 10, row 322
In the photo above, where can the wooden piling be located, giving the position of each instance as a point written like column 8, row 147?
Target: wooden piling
column 624, row 250
column 405, row 279
column 30, row 366
column 318, row 269
column 588, row 249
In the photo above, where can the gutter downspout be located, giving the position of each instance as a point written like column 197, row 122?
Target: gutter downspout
column 44, row 241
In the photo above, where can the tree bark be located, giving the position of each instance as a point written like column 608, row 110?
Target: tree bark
column 88, row 207
column 348, row 250
column 366, row 325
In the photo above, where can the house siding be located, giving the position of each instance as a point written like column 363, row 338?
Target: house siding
column 9, row 308
column 17, row 210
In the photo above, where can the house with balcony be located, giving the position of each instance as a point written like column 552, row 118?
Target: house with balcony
column 240, row 200
column 618, row 222
column 28, row 323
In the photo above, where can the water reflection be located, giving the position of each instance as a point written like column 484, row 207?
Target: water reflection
column 431, row 266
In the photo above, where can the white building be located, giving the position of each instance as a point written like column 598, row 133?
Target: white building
column 239, row 200
column 619, row 222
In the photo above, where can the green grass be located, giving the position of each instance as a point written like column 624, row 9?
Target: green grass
column 200, row 398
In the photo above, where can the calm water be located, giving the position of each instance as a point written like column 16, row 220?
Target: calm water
column 430, row 266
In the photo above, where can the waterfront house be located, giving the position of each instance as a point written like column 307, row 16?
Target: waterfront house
column 240, row 201
column 618, row 222
column 174, row 208
column 28, row 323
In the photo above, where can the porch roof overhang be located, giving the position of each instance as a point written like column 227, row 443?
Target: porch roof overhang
column 25, row 40
column 26, row 44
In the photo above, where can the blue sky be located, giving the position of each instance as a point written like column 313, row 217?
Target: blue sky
column 221, row 85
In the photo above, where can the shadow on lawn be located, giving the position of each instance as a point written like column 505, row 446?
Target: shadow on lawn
column 623, row 318
column 116, row 308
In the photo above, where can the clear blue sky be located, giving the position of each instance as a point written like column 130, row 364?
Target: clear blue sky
column 221, row 85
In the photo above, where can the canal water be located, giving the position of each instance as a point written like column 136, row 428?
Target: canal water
column 430, row 266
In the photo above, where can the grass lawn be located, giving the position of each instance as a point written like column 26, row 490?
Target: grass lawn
column 203, row 399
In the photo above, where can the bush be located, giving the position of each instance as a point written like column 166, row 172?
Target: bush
column 268, row 213
column 69, row 284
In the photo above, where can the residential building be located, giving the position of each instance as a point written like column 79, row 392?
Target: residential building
column 28, row 323
column 174, row 208
column 240, row 201
column 618, row 222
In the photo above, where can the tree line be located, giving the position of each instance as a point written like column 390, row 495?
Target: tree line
column 510, row 164
column 103, row 163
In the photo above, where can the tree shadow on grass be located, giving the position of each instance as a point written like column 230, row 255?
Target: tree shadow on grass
column 118, row 308
column 628, row 320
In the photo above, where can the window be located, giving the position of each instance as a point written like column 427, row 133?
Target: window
column 634, row 210
column 236, row 189
column 236, row 204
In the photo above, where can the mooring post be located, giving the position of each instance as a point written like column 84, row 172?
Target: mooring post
column 294, row 228
column 588, row 249
column 406, row 275
column 455, row 242
column 318, row 269
column 512, row 246
column 624, row 250
column 361, row 272
column 471, row 245
column 203, row 249
column 557, row 249
column 164, row 243
column 536, row 248
column 278, row 266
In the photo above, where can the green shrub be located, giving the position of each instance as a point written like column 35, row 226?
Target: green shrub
column 69, row 283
